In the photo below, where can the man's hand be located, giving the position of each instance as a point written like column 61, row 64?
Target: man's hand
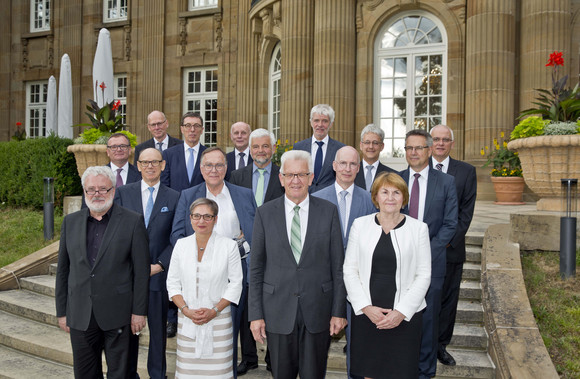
column 155, row 269
column 258, row 328
column 137, row 323
column 392, row 320
column 62, row 324
column 336, row 325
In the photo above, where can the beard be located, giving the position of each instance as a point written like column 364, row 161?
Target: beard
column 98, row 207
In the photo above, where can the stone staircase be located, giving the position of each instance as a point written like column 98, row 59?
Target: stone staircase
column 32, row 346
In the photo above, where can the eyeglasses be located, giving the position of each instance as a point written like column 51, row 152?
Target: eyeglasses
column 192, row 126
column 445, row 140
column 157, row 124
column 374, row 143
column 206, row 217
column 300, row 175
column 210, row 167
column 119, row 147
column 93, row 192
column 343, row 165
column 150, row 163
column 418, row 149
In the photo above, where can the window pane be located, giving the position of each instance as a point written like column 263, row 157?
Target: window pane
column 387, row 88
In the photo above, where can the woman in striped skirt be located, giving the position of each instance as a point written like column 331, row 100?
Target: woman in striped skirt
column 204, row 277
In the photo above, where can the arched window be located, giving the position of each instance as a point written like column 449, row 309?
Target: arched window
column 410, row 78
column 274, row 92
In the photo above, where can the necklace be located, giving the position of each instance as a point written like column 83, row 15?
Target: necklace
column 201, row 248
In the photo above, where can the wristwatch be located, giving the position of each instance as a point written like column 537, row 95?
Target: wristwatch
column 216, row 310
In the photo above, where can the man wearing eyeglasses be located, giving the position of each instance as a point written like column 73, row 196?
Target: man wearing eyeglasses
column 157, row 124
column 433, row 200
column 182, row 161
column 157, row 203
column 118, row 150
column 237, row 208
column 371, row 145
column 102, row 280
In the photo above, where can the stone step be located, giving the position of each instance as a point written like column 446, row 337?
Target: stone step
column 470, row 364
column 473, row 254
column 469, row 336
column 18, row 365
column 43, row 284
column 474, row 238
column 29, row 304
column 470, row 290
column 52, row 268
column 471, row 271
column 469, row 312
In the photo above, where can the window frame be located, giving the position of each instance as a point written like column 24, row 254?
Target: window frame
column 45, row 18
column 41, row 106
column 192, row 7
column 123, row 99
column 274, row 99
column 209, row 136
column 118, row 8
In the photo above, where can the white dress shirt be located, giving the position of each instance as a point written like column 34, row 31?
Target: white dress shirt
column 124, row 173
column 145, row 194
column 373, row 171
column 303, row 212
column 228, row 224
column 314, row 147
column 164, row 143
column 422, row 188
column 445, row 164
column 245, row 157
column 186, row 152
column 350, row 191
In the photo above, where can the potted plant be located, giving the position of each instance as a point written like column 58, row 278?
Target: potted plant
column 506, row 174
column 549, row 144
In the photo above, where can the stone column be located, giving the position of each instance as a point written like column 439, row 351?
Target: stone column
column 247, row 75
column 545, row 28
column 334, row 63
column 490, row 67
column 297, row 50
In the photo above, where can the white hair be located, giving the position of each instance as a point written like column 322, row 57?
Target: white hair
column 96, row 171
column 260, row 132
column 445, row 126
column 296, row 155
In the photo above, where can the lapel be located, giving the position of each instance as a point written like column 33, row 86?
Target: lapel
column 431, row 188
column 312, row 220
column 354, row 207
column 160, row 200
column 452, row 169
column 279, row 218
column 271, row 182
column 196, row 170
column 328, row 158
column 80, row 228
column 247, row 176
column 114, row 223
column 405, row 175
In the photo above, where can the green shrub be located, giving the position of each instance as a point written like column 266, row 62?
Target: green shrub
column 530, row 127
column 27, row 163
column 560, row 129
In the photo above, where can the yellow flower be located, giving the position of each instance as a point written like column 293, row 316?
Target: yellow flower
column 505, row 144
column 501, row 134
column 482, row 152
column 487, row 148
column 286, row 140
column 495, row 141
column 278, row 142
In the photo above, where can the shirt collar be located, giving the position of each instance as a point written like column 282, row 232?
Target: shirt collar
column 424, row 172
column 325, row 140
column 165, row 140
column 289, row 204
column 445, row 162
column 365, row 164
column 145, row 186
column 339, row 189
column 247, row 152
column 186, row 147
column 114, row 168
column 268, row 167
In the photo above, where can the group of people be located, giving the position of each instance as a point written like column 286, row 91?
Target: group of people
column 245, row 250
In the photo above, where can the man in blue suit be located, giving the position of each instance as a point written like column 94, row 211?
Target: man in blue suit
column 433, row 200
column 321, row 146
column 351, row 202
column 157, row 124
column 182, row 161
column 157, row 204
column 240, row 157
column 237, row 208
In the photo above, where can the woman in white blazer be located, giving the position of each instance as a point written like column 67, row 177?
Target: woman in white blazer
column 387, row 271
column 204, row 277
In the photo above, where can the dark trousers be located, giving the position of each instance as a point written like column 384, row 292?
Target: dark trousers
column 299, row 352
column 247, row 342
column 88, row 345
column 430, row 332
column 237, row 313
column 449, row 300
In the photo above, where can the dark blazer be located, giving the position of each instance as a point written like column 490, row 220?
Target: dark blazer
column 151, row 143
column 243, row 178
column 362, row 205
column 231, row 161
column 133, row 174
column 118, row 284
column 360, row 176
column 278, row 284
column 327, row 174
column 159, row 228
column 242, row 198
column 440, row 215
column 175, row 174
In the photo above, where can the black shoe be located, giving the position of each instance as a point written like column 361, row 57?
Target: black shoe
column 171, row 329
column 268, row 367
column 245, row 366
column 444, row 357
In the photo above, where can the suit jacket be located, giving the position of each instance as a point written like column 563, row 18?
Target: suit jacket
column 327, row 174
column 231, row 160
column 243, row 178
column 278, row 285
column 242, row 198
column 175, row 174
column 159, row 228
column 440, row 215
column 133, row 174
column 152, row 143
column 117, row 285
column 361, row 205
column 360, row 176
column 466, row 188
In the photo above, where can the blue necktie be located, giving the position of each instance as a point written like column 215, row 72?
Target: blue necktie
column 318, row 160
column 149, row 207
column 190, row 164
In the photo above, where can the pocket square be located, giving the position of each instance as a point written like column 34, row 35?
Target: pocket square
column 164, row 209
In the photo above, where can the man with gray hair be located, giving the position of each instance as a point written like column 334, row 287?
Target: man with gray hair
column 371, row 145
column 102, row 280
column 157, row 124
column 240, row 157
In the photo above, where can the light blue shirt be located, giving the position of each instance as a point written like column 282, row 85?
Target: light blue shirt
column 256, row 176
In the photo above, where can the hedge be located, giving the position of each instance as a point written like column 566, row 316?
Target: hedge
column 25, row 164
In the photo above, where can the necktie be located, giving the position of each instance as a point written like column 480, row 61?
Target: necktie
column 241, row 163
column 414, row 202
column 342, row 209
column 439, row 166
column 369, row 177
column 149, row 206
column 190, row 164
column 295, row 237
column 119, row 181
column 318, row 160
column 160, row 146
column 260, row 188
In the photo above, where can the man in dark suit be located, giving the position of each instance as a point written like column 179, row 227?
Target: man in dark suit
column 118, row 150
column 351, row 202
column 297, row 293
column 157, row 124
column 182, row 161
column 321, row 146
column 240, row 157
column 262, row 178
column 371, row 145
column 102, row 280
column 157, row 203
column 466, row 188
column 236, row 218
column 432, row 200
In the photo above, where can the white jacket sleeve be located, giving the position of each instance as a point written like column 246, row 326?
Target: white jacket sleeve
column 235, row 276
column 351, row 271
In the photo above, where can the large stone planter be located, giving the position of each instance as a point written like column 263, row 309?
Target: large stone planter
column 546, row 160
column 91, row 155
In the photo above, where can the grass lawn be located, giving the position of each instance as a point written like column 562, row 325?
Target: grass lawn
column 21, row 232
column 556, row 307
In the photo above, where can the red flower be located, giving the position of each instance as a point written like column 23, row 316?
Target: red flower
column 556, row 59
column 116, row 105
column 103, row 86
column 18, row 123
